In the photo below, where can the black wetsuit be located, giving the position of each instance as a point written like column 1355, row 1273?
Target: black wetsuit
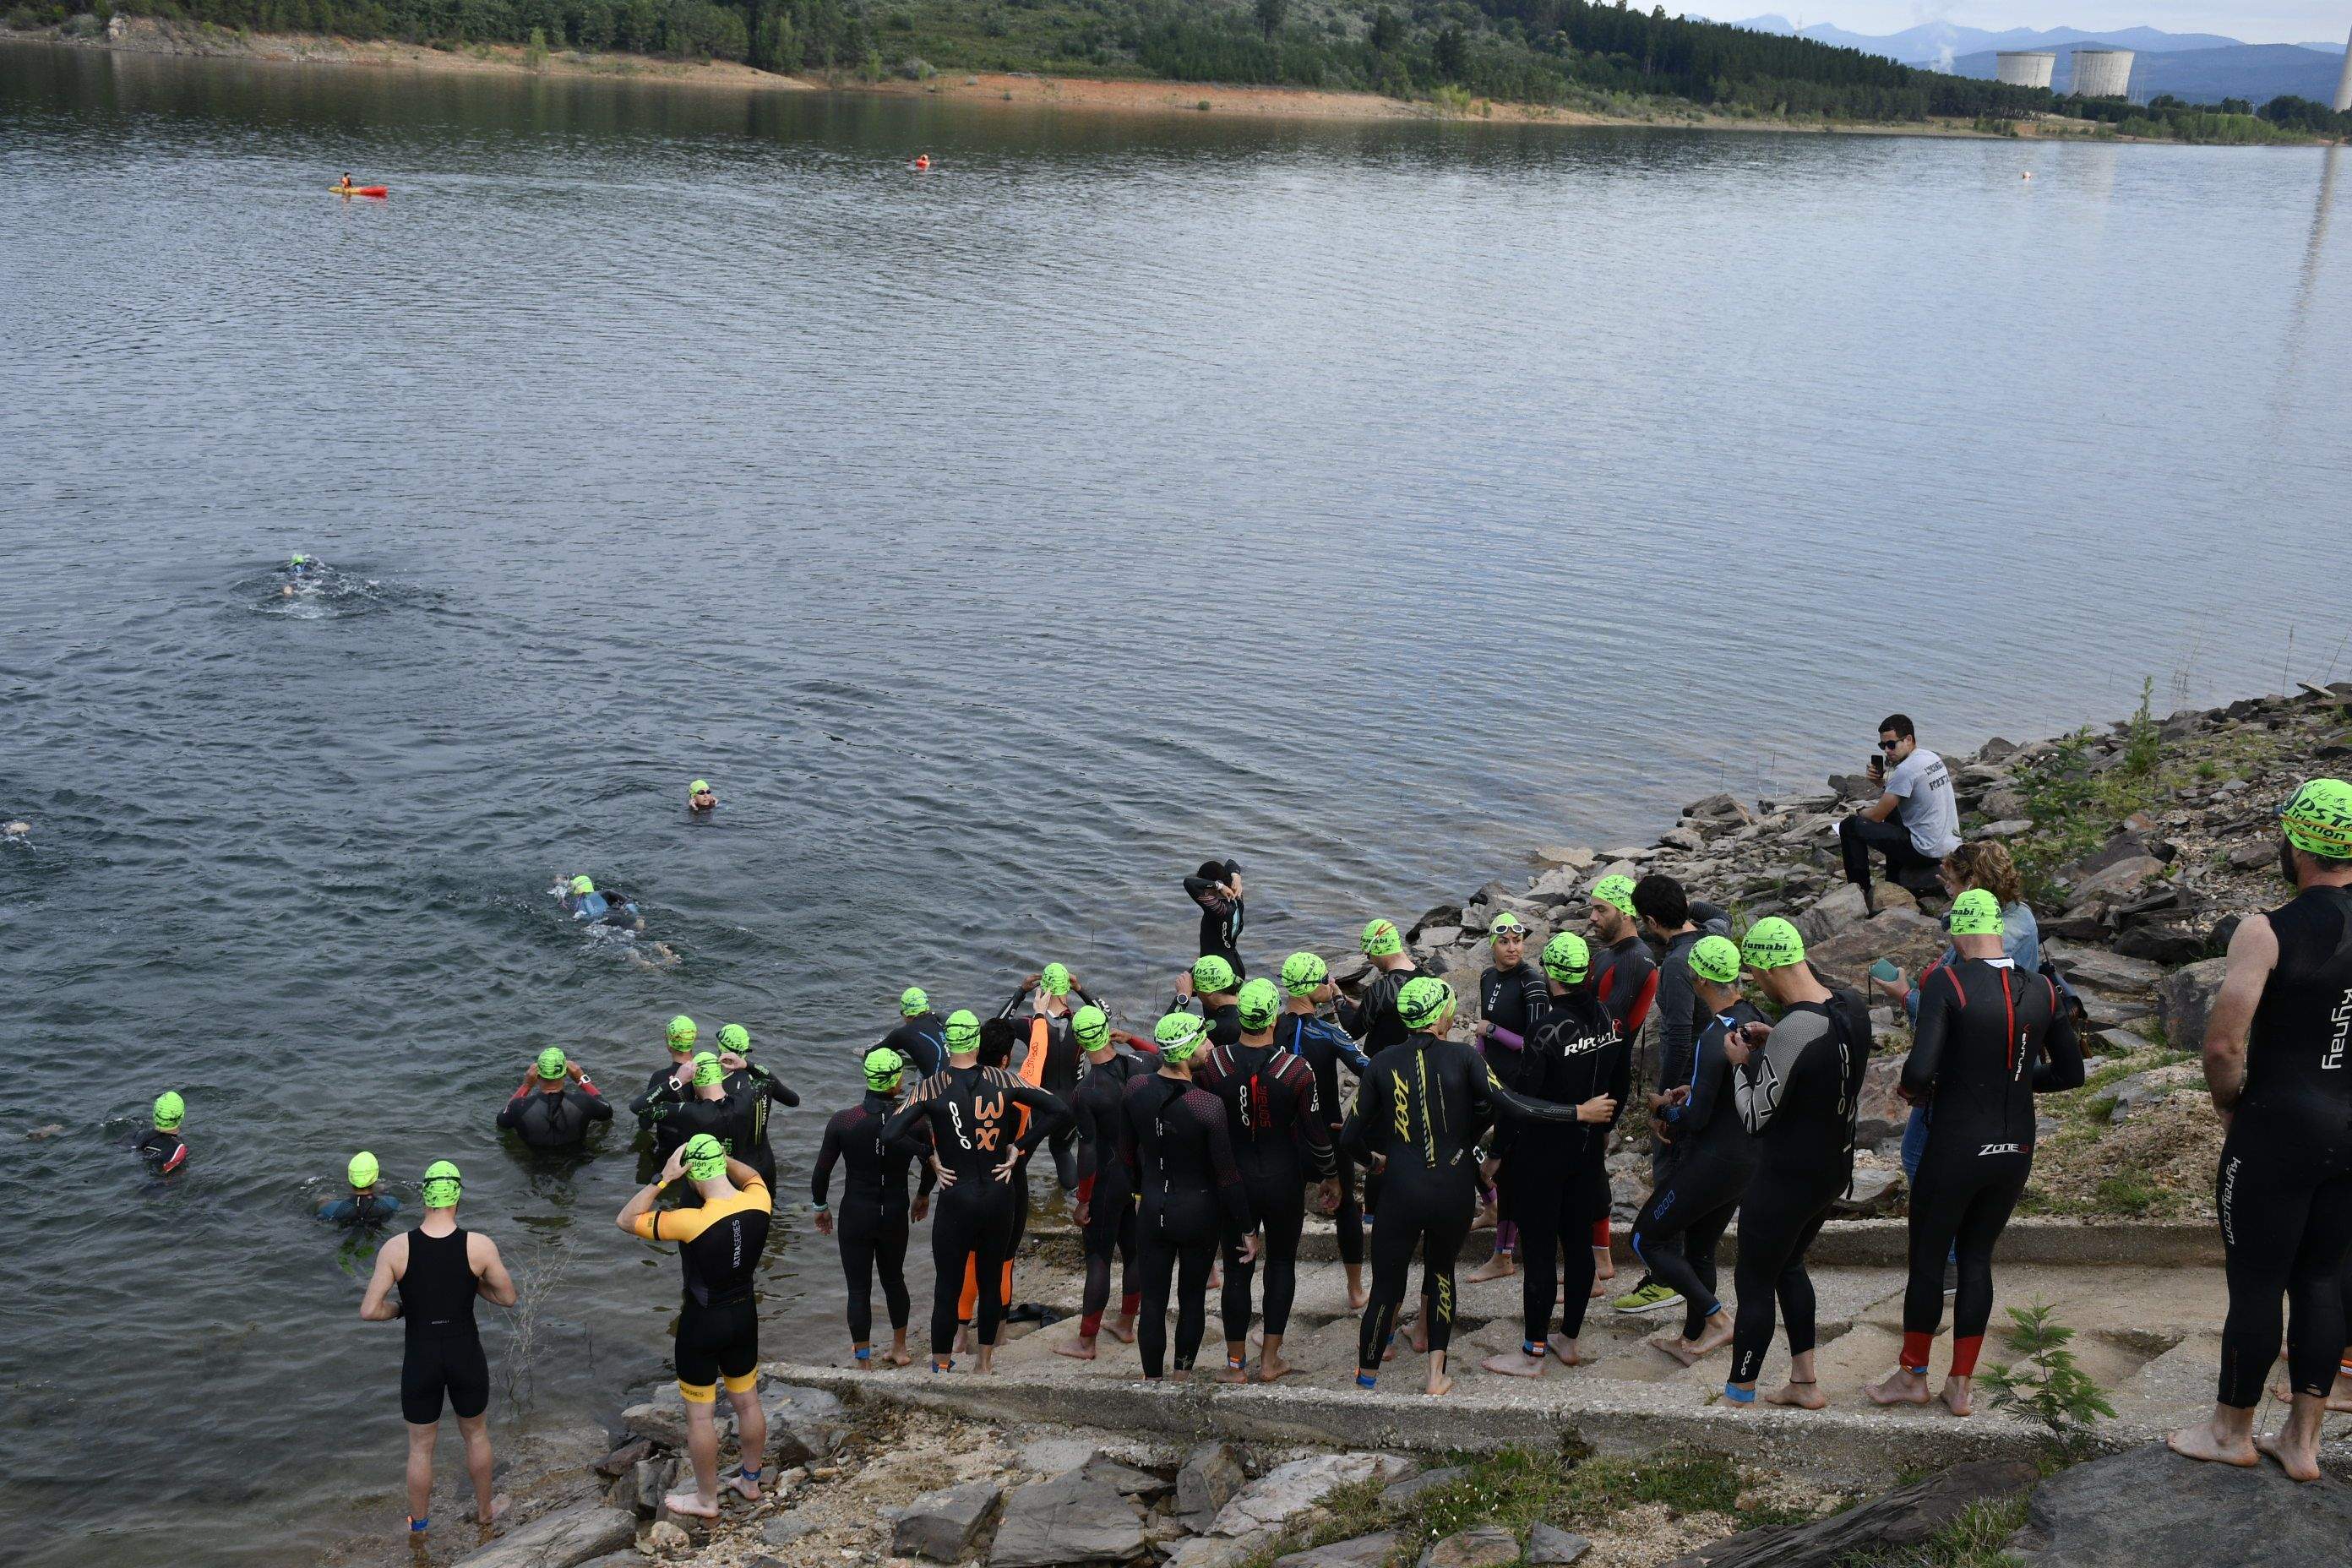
column 665, row 1090
column 444, row 1352
column 752, row 1090
column 1422, row 1106
column 1626, row 978
column 2284, row 1189
column 1281, row 1141
column 1372, row 1017
column 1174, row 1142
column 1059, row 1077
column 1989, row 1039
column 1105, row 1187
column 550, row 1123
column 872, row 1221
column 1225, row 1020
column 1222, row 918
column 1676, row 1233
column 1558, row 1173
column 1797, row 1095
column 1511, row 1001
column 971, row 1112
column 368, row 1212
column 1324, row 1046
column 721, row 1118
column 923, row 1041
column 164, row 1151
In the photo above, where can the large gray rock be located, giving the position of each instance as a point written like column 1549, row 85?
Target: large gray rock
column 783, row 1528
column 1912, row 939
column 648, row 1481
column 1127, row 1479
column 2184, row 1000
column 564, row 1539
column 1549, row 1546
column 1055, row 1456
column 2144, row 1089
column 2149, row 1508
column 1904, row 1516
column 1220, row 1550
column 803, row 1423
column 1073, row 1518
column 1397, row 1494
column 945, row 1525
column 2111, row 882
column 1487, row 1546
column 1211, row 1476
column 1575, row 856
column 1271, row 1499
column 1842, row 907
column 1363, row 1552
column 2103, row 971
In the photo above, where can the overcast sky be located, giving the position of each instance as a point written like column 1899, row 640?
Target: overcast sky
column 2255, row 21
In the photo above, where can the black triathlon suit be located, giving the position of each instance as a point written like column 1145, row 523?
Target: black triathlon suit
column 872, row 1222
column 1324, row 1046
column 753, row 1090
column 1676, row 1233
column 1104, row 1186
column 444, row 1352
column 719, row 1247
column 552, row 1123
column 1560, row 1172
column 1174, row 1142
column 1281, row 1141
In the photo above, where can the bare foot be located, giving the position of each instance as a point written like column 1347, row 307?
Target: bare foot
column 2300, row 1463
column 1566, row 1349
column 1229, row 1373
column 1217, row 1277
column 1123, row 1330
column 1901, row 1386
column 1502, row 1266
column 899, row 1357
column 744, row 1486
column 1958, row 1397
column 1690, row 1352
column 2202, row 1442
column 1388, row 1352
column 1357, row 1297
column 1420, row 1339
column 498, row 1512
column 1799, row 1397
column 1273, row 1369
column 1439, row 1383
column 691, row 1503
column 1604, row 1264
column 1514, row 1363
column 1600, row 1288
column 1077, row 1350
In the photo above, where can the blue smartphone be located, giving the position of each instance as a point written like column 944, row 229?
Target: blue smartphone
column 1885, row 972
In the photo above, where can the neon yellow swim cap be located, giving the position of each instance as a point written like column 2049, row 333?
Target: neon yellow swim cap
column 1506, row 924
column 706, row 1070
column 1211, row 973
column 706, row 1158
column 699, row 786
column 962, row 1030
column 1303, row 973
column 1090, row 1026
column 882, row 1067
column 363, row 1170
column 1178, row 1035
column 1054, row 981
column 737, row 1038
column 170, row 1112
column 682, row 1033
column 1716, row 958
column 1976, row 913
column 1771, row 943
column 582, row 886
column 1258, row 1004
column 912, row 1003
column 1381, row 939
column 1616, row 891
column 1423, row 1001
column 551, row 1063
column 1568, row 958
column 442, row 1185
column 2318, row 820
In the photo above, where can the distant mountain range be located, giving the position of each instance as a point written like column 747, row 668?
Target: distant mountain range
column 2202, row 68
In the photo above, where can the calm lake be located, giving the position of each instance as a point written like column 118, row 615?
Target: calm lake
column 1370, row 502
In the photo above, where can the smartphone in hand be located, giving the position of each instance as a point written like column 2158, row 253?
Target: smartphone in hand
column 1885, row 972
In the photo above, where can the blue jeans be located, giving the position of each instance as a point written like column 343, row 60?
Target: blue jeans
column 1915, row 1149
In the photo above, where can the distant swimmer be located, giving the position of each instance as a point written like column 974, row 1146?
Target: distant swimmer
column 583, row 900
column 17, row 833
column 440, row 1268
column 555, row 1106
column 300, row 570
column 922, row 160
column 366, row 1207
column 698, row 797
column 161, row 1146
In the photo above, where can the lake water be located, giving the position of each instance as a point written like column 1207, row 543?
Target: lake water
column 1369, row 502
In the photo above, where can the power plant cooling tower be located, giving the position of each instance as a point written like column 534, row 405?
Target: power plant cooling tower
column 2344, row 82
column 2103, row 73
column 2025, row 67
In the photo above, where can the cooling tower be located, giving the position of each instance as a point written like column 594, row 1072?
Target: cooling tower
column 2344, row 82
column 2025, row 67
column 2103, row 73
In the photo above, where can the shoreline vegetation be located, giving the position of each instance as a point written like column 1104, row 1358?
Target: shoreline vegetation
column 1197, row 59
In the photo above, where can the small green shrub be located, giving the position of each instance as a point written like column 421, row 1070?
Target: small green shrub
column 2045, row 1384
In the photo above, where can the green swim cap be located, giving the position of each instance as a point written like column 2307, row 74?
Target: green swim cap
column 1381, row 939
column 707, row 1069
column 1616, row 891
column 363, row 1170
column 699, row 786
column 1090, row 1026
column 583, row 886
column 737, row 1038
column 170, row 1112
column 1303, row 973
column 1505, row 923
column 883, row 1067
column 550, row 1063
column 1179, row 1035
column 1054, row 981
column 1257, row 1004
column 1568, row 958
column 681, row 1034
column 1771, row 943
column 2318, row 820
column 442, row 1185
column 296, row 559
column 912, row 1003
column 1423, row 1001
column 1211, row 973
column 1976, row 913
column 962, row 1031
column 1716, row 958
column 706, row 1158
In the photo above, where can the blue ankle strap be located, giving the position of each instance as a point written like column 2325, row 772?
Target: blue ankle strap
column 419, row 1526
column 1738, row 1395
column 1366, row 1379
column 863, row 1353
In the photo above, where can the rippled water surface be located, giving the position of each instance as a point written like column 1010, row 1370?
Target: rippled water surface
column 1369, row 502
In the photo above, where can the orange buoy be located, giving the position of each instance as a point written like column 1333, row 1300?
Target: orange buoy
column 922, row 160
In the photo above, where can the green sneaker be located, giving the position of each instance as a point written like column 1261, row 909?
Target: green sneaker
column 1654, row 1296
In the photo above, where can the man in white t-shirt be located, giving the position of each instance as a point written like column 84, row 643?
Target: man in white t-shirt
column 1914, row 822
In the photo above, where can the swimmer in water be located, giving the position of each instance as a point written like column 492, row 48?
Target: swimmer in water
column 301, row 569
column 610, row 906
column 163, row 1147
column 698, row 797
column 17, row 833
column 367, row 1208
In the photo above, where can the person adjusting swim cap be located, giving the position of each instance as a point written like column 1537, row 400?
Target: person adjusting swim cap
column 1090, row 1026
column 1212, row 975
column 1381, row 940
column 1617, row 893
column 1568, row 958
column 1424, row 1003
column 170, row 1112
column 1179, row 1037
column 1976, row 913
column 1258, row 1002
column 682, row 1033
column 962, row 1032
column 698, row 797
column 1055, row 980
column 883, row 1067
column 1771, row 943
column 2318, row 819
column 442, row 1186
column 1715, row 959
column 582, row 886
column 1303, row 973
column 752, row 1091
column 913, row 1002
column 705, row 1158
column 551, row 1063
column 707, row 1069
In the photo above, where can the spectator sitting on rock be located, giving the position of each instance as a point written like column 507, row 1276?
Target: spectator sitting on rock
column 1914, row 822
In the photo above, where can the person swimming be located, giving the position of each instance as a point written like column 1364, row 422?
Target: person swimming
column 583, row 901
column 17, row 833
column 367, row 1208
column 698, row 797
column 301, row 569
column 161, row 1146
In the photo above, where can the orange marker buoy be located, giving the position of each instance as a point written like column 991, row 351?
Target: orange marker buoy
column 922, row 160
